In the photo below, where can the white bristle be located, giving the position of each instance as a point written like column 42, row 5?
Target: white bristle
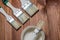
column 11, row 20
column 18, row 13
column 15, row 24
column 40, row 24
column 31, row 10
column 23, row 18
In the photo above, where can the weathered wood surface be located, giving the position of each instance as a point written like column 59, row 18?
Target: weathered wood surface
column 51, row 15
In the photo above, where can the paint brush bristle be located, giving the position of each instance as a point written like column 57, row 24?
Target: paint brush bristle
column 15, row 24
column 31, row 10
column 23, row 18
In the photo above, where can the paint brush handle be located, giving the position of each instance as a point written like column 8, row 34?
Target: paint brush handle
column 8, row 17
column 11, row 6
column 40, row 24
column 4, row 13
column 7, row 3
column 16, row 11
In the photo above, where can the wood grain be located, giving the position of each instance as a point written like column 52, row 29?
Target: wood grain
column 49, row 11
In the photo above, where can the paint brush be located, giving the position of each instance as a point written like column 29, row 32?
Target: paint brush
column 29, row 7
column 10, row 19
column 17, row 12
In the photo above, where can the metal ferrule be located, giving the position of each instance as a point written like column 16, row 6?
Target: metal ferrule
column 10, row 19
column 26, row 5
column 18, row 13
column 36, row 31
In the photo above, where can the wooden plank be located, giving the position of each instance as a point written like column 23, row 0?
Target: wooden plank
column 6, row 27
column 2, row 26
column 51, row 17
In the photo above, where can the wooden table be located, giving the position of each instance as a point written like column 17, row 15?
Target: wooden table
column 51, row 15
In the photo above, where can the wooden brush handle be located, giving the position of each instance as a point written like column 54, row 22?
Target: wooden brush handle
column 40, row 24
